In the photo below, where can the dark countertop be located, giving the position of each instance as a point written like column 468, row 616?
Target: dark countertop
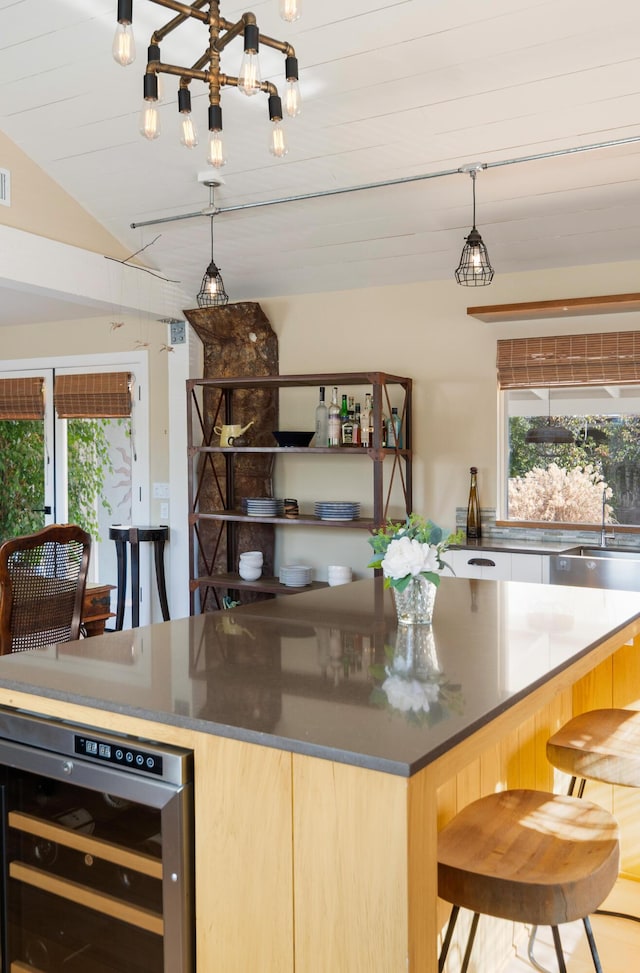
column 515, row 546
column 293, row 672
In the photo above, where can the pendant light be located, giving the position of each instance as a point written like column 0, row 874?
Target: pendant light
column 212, row 292
column 549, row 435
column 474, row 269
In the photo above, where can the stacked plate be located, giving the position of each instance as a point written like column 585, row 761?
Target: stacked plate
column 263, row 506
column 337, row 510
column 295, row 575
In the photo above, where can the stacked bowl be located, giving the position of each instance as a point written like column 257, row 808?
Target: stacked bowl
column 250, row 565
column 338, row 574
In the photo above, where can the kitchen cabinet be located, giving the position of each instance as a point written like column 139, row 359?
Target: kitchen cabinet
column 499, row 565
column 214, row 522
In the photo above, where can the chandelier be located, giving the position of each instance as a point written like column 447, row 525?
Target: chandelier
column 206, row 68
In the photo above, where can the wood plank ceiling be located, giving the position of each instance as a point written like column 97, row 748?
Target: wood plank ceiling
column 391, row 90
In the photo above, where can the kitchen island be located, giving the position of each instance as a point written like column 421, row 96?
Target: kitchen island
column 316, row 803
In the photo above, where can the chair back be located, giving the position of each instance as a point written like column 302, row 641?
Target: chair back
column 42, row 583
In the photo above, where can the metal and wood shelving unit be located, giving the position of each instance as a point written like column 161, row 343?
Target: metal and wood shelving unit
column 219, row 512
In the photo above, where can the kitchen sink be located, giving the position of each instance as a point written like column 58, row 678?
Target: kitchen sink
column 630, row 553
column 597, row 567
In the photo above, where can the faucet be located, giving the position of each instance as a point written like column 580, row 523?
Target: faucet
column 603, row 532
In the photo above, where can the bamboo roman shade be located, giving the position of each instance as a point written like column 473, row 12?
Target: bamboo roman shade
column 98, row 395
column 22, row 398
column 565, row 360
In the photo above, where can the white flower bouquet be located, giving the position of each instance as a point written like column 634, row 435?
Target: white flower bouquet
column 409, row 550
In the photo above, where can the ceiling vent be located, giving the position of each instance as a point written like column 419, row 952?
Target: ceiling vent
column 5, row 187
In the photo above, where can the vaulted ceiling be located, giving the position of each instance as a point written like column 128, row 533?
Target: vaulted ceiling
column 391, row 91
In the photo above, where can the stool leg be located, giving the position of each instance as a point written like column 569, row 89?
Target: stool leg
column 135, row 577
column 158, row 550
column 532, row 959
column 592, row 944
column 470, row 941
column 556, row 942
column 448, row 936
column 121, row 556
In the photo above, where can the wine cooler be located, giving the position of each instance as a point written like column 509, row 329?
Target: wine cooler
column 97, row 851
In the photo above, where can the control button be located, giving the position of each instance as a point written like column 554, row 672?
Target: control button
column 139, row 759
column 119, row 754
column 150, row 763
column 129, row 757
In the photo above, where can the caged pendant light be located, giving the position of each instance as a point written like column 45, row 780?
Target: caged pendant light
column 474, row 269
column 212, row 292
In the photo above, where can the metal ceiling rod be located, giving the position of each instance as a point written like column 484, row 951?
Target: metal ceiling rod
column 210, row 211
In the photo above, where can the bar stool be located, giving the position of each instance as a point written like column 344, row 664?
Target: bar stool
column 531, row 857
column 134, row 536
column 601, row 745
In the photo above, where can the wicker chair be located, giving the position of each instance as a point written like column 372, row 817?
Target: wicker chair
column 42, row 583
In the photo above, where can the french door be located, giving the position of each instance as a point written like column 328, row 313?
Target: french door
column 81, row 470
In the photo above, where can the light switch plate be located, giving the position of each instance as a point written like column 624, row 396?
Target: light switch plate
column 160, row 491
column 177, row 333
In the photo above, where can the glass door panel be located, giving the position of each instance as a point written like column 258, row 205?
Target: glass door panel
column 26, row 467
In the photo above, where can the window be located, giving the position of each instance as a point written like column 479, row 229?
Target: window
column 571, row 446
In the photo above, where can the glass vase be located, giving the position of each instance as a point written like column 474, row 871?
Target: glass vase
column 414, row 605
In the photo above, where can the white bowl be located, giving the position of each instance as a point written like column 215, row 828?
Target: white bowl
column 249, row 572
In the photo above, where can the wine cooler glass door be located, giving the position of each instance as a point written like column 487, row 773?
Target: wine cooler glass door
column 94, row 878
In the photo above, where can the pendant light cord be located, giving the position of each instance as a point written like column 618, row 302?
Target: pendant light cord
column 473, row 179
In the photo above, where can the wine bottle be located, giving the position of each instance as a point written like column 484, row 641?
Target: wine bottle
column 334, row 424
column 473, row 508
column 365, row 422
column 357, row 426
column 322, row 422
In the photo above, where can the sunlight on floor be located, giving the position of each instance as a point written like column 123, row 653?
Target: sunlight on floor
column 618, row 940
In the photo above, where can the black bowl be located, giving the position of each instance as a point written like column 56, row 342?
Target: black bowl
column 285, row 437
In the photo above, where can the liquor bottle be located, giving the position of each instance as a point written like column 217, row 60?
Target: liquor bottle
column 473, row 508
column 393, row 429
column 346, row 425
column 333, row 422
column 322, row 422
column 365, row 422
column 357, row 426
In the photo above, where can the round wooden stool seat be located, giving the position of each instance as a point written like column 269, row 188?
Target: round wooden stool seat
column 529, row 856
column 603, row 745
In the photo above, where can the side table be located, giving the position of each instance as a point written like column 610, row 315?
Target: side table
column 134, row 536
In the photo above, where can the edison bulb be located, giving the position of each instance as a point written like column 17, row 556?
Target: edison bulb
column 188, row 131
column 249, row 79
column 124, row 45
column 149, row 120
column 216, row 155
column 292, row 101
column 290, row 10
column 277, row 141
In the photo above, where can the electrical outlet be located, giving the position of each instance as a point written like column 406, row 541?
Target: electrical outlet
column 164, row 511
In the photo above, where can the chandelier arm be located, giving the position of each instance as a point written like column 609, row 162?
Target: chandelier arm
column 179, row 71
column 282, row 46
column 185, row 12
column 231, row 31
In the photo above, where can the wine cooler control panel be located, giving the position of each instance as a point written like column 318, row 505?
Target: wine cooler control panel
column 122, row 754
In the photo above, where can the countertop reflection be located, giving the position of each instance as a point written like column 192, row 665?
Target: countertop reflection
column 329, row 673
